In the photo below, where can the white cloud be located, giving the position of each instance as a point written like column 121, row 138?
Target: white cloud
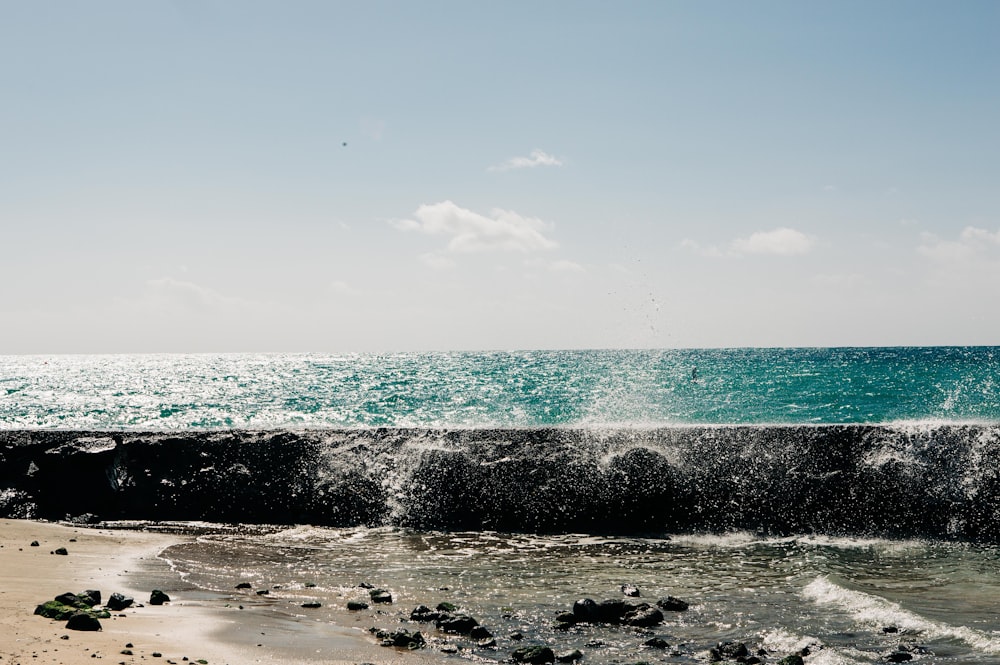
column 566, row 266
column 779, row 242
column 782, row 242
column 973, row 245
column 536, row 158
column 502, row 230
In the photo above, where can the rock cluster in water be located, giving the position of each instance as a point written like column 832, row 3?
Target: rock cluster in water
column 448, row 619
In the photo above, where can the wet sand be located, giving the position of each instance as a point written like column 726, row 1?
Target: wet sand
column 194, row 626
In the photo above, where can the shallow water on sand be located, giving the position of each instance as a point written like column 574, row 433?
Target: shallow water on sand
column 838, row 597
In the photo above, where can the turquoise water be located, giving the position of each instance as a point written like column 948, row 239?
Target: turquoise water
column 848, row 600
column 525, row 388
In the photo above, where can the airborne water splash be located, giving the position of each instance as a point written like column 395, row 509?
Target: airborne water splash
column 937, row 482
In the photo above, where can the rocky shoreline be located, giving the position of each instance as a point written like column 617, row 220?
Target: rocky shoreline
column 447, row 629
column 439, row 629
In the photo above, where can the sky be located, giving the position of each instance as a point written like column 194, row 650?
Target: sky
column 245, row 176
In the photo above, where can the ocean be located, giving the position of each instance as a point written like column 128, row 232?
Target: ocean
column 838, row 503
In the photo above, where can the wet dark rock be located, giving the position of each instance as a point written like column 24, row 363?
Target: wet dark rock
column 447, row 607
column 656, row 643
column 263, row 592
column 898, row 657
column 400, row 638
column 423, row 613
column 570, row 656
column 72, row 600
column 356, row 605
column 118, row 602
column 728, row 651
column 35, row 543
column 630, row 590
column 366, row 585
column 517, row 637
column 244, row 585
column 480, row 633
column 566, row 617
column 671, row 604
column 536, row 655
column 61, row 550
column 311, row 606
column 794, row 659
column 157, row 597
column 126, row 652
column 890, row 629
column 90, row 597
column 563, row 626
column 461, row 624
column 586, row 611
column 611, row 611
column 380, row 596
column 486, row 643
column 83, row 621
column 643, row 616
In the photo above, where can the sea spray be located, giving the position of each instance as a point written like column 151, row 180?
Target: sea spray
column 856, row 480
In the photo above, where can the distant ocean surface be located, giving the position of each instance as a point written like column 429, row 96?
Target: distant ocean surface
column 841, row 503
column 501, row 389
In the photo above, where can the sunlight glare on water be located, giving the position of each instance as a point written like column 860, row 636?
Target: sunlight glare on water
column 500, row 389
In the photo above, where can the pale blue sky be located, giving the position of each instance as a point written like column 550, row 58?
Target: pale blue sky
column 173, row 175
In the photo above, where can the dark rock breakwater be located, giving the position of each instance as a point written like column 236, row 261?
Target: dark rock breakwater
column 900, row 481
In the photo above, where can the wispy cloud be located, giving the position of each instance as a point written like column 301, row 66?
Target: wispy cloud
column 778, row 242
column 500, row 230
column 170, row 295
column 710, row 251
column 536, row 158
column 782, row 242
column 973, row 245
column 566, row 266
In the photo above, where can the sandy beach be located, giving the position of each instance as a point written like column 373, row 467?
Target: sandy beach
column 195, row 626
